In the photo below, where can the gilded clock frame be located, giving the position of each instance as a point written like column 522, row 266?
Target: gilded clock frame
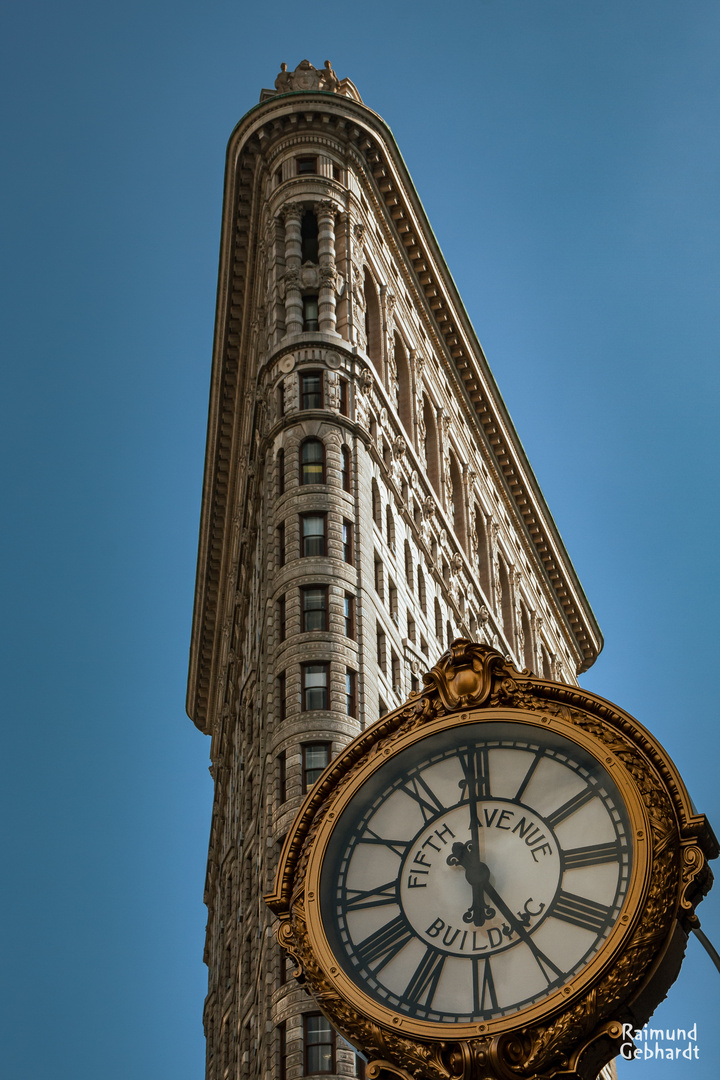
column 577, row 1027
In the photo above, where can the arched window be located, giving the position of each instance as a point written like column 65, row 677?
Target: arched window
column 404, row 387
column 390, row 527
column 309, row 237
column 408, row 565
column 345, row 464
column 373, row 332
column 483, row 552
column 506, row 601
column 312, row 462
column 432, row 453
column 280, row 462
column 376, row 505
column 422, row 599
column 458, row 501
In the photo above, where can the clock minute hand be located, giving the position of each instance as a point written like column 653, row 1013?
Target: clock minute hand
column 522, row 932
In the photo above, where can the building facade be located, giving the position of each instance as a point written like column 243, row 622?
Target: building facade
column 366, row 500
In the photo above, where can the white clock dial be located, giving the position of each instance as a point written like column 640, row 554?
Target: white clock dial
column 476, row 872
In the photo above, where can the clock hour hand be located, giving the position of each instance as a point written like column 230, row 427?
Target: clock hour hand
column 468, row 856
column 477, row 875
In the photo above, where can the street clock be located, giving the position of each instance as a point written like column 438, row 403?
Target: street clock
column 493, row 878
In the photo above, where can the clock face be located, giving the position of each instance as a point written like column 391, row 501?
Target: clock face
column 476, row 872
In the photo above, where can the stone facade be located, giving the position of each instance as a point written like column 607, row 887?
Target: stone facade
column 366, row 500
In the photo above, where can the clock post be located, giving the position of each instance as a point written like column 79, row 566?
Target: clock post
column 493, row 878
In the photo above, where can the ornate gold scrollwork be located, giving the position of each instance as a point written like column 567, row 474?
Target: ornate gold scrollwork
column 463, row 676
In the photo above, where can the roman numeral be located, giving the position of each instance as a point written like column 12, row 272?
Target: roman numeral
column 570, row 807
column 528, row 776
column 399, row 847
column 591, row 856
column 484, row 995
column 384, row 944
column 580, row 911
column 426, row 799
column 425, row 979
column 358, row 899
column 476, row 784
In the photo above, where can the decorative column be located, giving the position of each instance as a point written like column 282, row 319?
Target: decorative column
column 276, row 265
column 291, row 279
column 327, row 318
column 344, row 261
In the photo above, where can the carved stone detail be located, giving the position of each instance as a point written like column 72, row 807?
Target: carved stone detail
column 307, row 77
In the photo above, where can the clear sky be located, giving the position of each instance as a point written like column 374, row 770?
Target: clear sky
column 567, row 155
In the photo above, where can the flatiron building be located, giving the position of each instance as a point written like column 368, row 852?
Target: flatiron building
column 366, row 500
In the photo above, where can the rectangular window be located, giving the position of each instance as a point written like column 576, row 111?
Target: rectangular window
column 282, row 776
column 347, row 542
column 337, row 172
column 351, row 692
column 282, row 696
column 281, row 471
column 382, row 707
column 306, row 165
column 315, row 757
column 314, row 686
column 345, row 468
column 282, row 1034
column 411, row 629
column 395, row 673
column 311, row 390
column 281, row 545
column 281, row 618
column 424, row 647
column 344, row 405
column 312, row 531
column 349, row 612
column 393, row 599
column 310, row 320
column 314, row 607
column 379, row 578
column 284, row 959
column 319, row 1038
column 281, row 398
column 381, row 648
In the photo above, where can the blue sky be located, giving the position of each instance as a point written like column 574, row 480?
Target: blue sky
column 566, row 152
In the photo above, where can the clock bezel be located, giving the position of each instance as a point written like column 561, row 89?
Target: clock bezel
column 639, row 835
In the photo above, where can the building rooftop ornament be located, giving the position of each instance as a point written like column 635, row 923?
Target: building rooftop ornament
column 307, row 78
